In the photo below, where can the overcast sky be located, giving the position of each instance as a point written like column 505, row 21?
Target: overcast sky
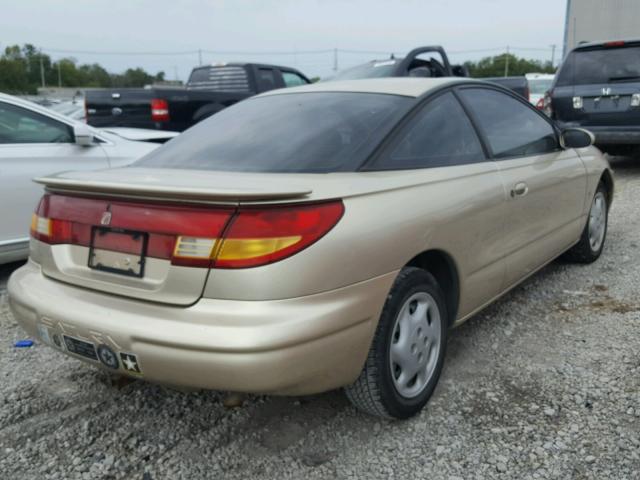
column 233, row 27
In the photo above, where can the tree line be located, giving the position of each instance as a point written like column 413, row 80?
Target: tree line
column 507, row 64
column 23, row 70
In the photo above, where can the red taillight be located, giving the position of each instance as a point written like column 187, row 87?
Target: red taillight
column 262, row 236
column 540, row 104
column 188, row 236
column 60, row 219
column 159, row 110
column 616, row 43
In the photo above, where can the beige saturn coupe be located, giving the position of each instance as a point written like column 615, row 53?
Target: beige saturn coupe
column 312, row 238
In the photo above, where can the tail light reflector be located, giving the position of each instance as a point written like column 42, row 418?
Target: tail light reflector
column 205, row 237
column 159, row 110
column 40, row 227
column 547, row 105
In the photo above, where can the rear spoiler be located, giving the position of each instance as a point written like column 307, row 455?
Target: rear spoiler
column 174, row 193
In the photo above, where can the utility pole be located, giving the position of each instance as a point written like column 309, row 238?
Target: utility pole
column 199, row 57
column 506, row 63
column 42, row 71
column 553, row 54
column 335, row 59
column 59, row 76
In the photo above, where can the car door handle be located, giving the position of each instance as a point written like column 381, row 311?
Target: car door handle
column 519, row 190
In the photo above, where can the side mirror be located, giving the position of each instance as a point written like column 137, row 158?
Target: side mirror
column 576, row 138
column 83, row 135
column 460, row 70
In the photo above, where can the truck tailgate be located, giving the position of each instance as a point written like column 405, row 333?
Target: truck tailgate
column 124, row 107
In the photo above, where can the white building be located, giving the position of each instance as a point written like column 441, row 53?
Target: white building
column 599, row 20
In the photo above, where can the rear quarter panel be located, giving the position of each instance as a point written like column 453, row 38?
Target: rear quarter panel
column 596, row 165
column 459, row 210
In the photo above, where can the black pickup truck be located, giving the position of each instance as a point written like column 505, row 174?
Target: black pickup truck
column 208, row 90
column 431, row 61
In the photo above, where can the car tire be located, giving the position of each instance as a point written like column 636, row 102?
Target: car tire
column 589, row 247
column 411, row 334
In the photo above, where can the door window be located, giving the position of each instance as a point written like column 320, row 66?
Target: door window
column 439, row 135
column 19, row 125
column 293, row 79
column 511, row 127
column 267, row 78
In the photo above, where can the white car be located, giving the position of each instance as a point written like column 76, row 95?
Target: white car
column 36, row 141
column 539, row 84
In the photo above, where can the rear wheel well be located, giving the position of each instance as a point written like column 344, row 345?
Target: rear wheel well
column 607, row 181
column 442, row 267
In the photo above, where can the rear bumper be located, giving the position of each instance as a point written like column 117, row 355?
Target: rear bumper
column 627, row 135
column 295, row 346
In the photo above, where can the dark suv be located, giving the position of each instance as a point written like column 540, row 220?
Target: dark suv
column 598, row 88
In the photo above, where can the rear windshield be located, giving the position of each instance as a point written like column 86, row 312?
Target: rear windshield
column 604, row 65
column 375, row 69
column 297, row 132
column 224, row 79
column 539, row 86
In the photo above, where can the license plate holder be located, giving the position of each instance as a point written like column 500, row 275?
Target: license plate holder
column 130, row 261
column 80, row 347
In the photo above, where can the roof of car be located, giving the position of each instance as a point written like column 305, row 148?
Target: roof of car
column 406, row 86
column 621, row 42
column 242, row 64
column 32, row 106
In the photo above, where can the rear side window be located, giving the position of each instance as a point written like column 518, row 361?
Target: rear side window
column 19, row 125
column 512, row 128
column 291, row 132
column 604, row 65
column 540, row 86
column 439, row 135
column 223, row 79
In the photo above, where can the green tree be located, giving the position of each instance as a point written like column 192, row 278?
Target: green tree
column 496, row 66
column 94, row 75
column 21, row 70
column 132, row 77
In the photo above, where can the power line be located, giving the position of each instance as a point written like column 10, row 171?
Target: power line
column 103, row 52
column 276, row 52
column 244, row 52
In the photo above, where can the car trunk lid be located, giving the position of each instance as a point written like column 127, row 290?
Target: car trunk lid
column 138, row 237
column 609, row 104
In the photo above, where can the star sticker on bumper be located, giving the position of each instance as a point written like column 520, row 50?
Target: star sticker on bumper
column 130, row 363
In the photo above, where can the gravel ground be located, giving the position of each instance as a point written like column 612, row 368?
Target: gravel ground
column 543, row 384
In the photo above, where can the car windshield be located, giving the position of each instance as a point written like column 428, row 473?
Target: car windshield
column 296, row 132
column 602, row 65
column 539, row 86
column 375, row 69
